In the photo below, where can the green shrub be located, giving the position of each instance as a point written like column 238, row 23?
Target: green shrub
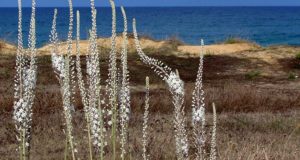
column 208, row 54
column 173, row 42
column 234, row 40
column 298, row 56
column 292, row 76
column 1, row 46
column 253, row 74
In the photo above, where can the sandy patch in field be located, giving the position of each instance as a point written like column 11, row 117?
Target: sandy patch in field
column 217, row 49
column 6, row 48
column 105, row 43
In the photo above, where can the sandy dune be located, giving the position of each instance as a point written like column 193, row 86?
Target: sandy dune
column 6, row 48
column 182, row 50
column 105, row 43
column 217, row 49
column 269, row 60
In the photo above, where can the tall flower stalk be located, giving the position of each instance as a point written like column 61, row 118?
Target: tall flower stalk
column 25, row 84
column 91, row 96
column 213, row 152
column 62, row 64
column 198, row 111
column 176, row 87
column 125, row 90
column 198, row 116
column 112, row 86
column 145, row 122
column 82, row 86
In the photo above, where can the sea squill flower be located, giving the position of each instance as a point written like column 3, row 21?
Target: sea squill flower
column 213, row 153
column 175, row 83
column 62, row 65
column 124, row 92
column 97, row 129
column 90, row 95
column 198, row 110
column 198, row 115
column 29, row 78
column 20, row 113
column 112, row 85
column 58, row 63
column 145, row 121
column 25, row 83
column 176, row 87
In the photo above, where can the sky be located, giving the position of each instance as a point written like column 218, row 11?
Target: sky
column 83, row 3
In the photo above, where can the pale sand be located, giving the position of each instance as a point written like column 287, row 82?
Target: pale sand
column 106, row 43
column 217, row 49
column 183, row 50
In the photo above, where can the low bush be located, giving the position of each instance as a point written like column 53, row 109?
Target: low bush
column 292, row 76
column 297, row 56
column 252, row 74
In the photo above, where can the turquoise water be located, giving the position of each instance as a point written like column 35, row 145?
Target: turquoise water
column 264, row 25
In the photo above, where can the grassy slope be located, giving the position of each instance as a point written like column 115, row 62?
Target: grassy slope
column 248, row 104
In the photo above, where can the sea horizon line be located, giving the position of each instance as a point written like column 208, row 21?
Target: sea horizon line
column 275, row 6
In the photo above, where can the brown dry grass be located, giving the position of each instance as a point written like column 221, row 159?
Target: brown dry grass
column 258, row 118
column 240, row 136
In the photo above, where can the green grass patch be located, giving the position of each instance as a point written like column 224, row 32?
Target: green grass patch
column 1, row 46
column 292, row 76
column 252, row 74
column 297, row 56
column 235, row 40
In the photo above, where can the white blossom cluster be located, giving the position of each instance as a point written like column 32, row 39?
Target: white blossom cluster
column 125, row 104
column 21, row 113
column 97, row 127
column 58, row 64
column 184, row 148
column 22, row 107
column 198, row 115
column 29, row 78
column 124, row 118
column 89, row 68
column 176, row 85
column 181, row 137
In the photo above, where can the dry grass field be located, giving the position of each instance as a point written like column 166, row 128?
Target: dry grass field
column 256, row 91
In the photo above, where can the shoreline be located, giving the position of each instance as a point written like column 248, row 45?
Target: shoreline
column 228, row 40
column 229, row 45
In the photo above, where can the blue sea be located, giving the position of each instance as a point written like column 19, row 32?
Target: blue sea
column 264, row 25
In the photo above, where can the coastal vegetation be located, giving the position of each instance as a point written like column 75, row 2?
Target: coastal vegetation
column 83, row 100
